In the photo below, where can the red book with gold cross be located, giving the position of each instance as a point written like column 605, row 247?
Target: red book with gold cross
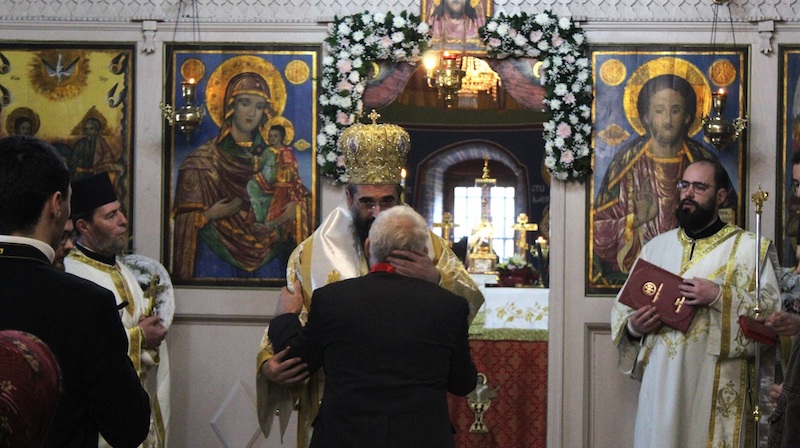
column 649, row 284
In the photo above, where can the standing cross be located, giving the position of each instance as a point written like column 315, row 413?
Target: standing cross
column 523, row 227
column 447, row 225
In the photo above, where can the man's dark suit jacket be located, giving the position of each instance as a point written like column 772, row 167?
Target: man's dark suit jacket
column 80, row 323
column 391, row 347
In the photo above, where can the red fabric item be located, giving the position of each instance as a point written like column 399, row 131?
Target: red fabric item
column 382, row 267
column 29, row 386
column 517, row 417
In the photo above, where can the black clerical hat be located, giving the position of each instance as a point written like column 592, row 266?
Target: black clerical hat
column 92, row 192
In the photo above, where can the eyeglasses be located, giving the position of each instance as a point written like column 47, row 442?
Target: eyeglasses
column 699, row 187
column 369, row 205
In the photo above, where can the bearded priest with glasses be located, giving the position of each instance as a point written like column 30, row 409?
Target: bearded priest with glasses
column 695, row 384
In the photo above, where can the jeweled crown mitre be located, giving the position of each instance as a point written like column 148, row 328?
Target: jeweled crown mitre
column 374, row 153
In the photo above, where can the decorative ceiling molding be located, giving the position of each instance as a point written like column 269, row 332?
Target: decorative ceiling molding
column 312, row 11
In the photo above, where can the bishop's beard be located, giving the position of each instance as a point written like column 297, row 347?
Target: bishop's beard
column 360, row 227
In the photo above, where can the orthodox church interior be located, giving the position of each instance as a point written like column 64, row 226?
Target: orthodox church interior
column 550, row 375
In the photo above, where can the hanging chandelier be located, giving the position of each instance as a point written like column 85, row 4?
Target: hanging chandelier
column 460, row 77
column 718, row 129
column 479, row 77
column 188, row 117
column 443, row 72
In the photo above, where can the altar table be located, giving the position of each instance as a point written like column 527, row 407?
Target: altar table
column 508, row 341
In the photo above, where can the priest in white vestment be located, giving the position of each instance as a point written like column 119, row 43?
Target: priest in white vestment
column 374, row 155
column 102, row 236
column 694, row 384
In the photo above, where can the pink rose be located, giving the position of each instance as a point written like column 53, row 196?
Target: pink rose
column 344, row 85
column 567, row 157
column 563, row 130
column 569, row 98
column 342, row 118
column 344, row 66
column 340, row 161
column 493, row 42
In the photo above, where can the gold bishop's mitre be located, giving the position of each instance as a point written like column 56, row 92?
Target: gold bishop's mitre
column 374, row 153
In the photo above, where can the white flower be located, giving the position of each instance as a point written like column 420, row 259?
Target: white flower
column 366, row 18
column 328, row 61
column 398, row 22
column 549, row 126
column 561, row 89
column 358, row 36
column 583, row 75
column 558, row 142
column 555, row 104
column 587, row 128
column 502, row 29
column 344, row 29
column 543, row 45
column 331, row 156
column 578, row 38
column 323, row 100
column 573, row 119
column 550, row 162
column 359, row 89
column 542, row 19
column 354, row 77
column 557, row 61
column 578, row 138
column 491, row 26
column 586, row 112
column 330, row 129
column 423, row 28
column 322, row 139
column 358, row 63
column 520, row 40
column 564, row 23
column 582, row 62
column 320, row 159
column 379, row 17
column 398, row 37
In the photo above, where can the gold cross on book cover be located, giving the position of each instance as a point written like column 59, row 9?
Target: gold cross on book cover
column 649, row 284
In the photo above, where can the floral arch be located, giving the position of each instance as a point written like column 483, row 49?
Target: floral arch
column 355, row 41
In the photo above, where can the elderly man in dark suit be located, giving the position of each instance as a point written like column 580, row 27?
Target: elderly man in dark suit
column 391, row 347
column 77, row 319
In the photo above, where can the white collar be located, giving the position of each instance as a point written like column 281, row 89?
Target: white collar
column 43, row 247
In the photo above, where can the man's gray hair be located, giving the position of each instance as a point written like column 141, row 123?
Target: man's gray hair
column 399, row 227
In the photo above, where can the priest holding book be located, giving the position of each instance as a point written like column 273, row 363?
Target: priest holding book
column 694, row 383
